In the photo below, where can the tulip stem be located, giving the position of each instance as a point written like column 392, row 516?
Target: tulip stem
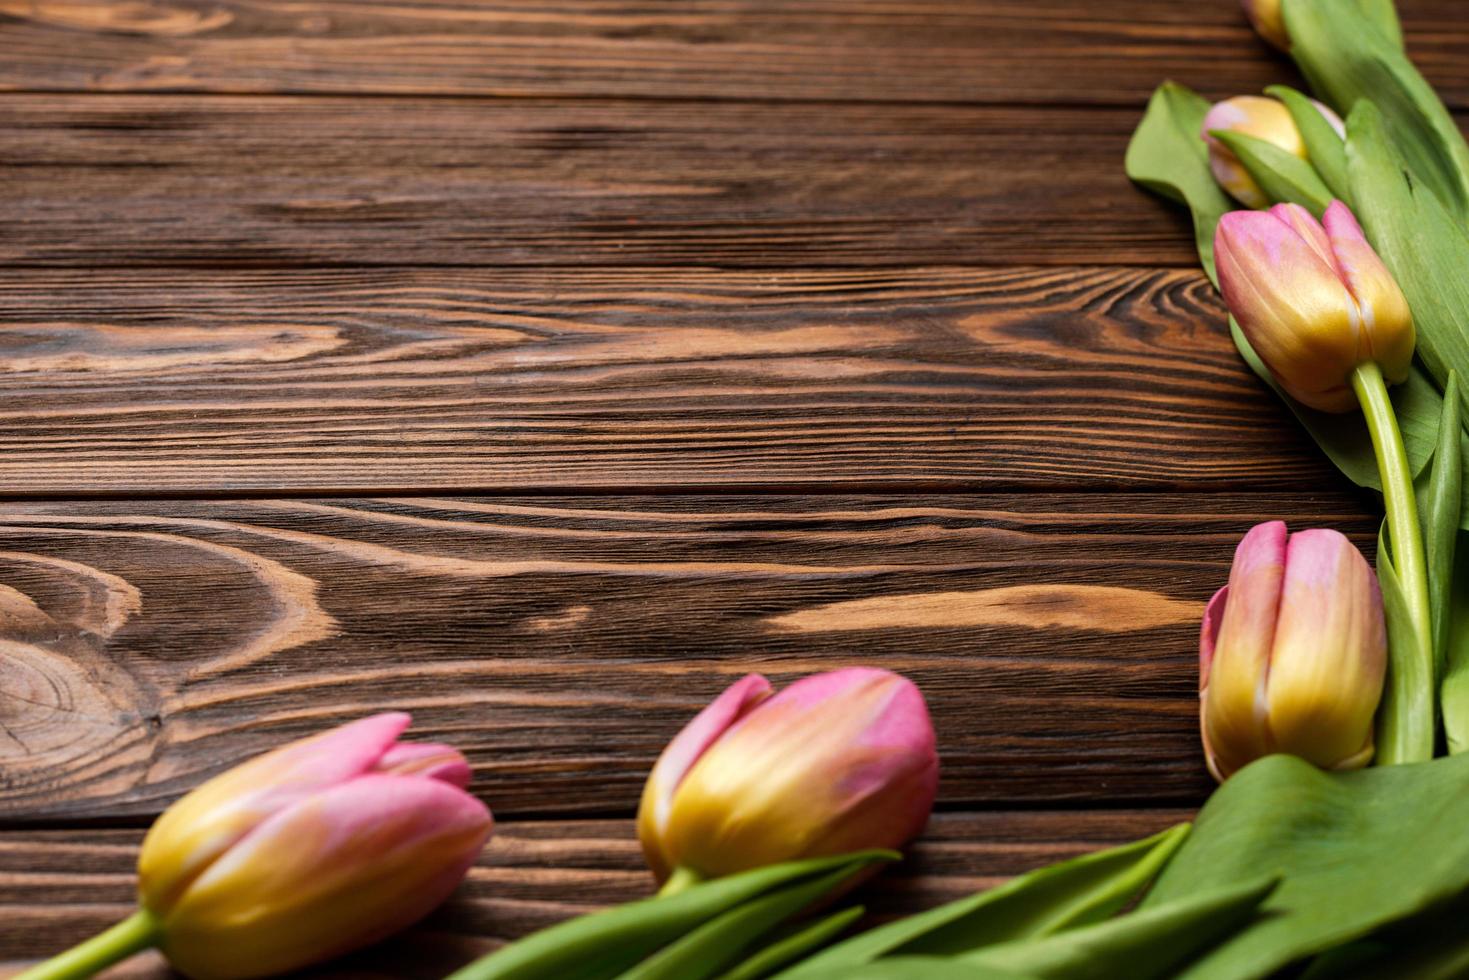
column 682, row 879
column 134, row 934
column 1414, row 738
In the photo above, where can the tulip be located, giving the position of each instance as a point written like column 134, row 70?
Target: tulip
column 837, row 762
column 309, row 851
column 1293, row 653
column 1330, row 323
column 1266, row 19
column 1314, row 300
column 1265, row 119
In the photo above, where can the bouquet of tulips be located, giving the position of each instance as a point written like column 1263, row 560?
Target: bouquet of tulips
column 1337, row 232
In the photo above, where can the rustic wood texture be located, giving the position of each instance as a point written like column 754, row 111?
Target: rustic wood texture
column 542, row 368
column 135, row 382
column 309, row 181
column 58, row 887
column 562, row 642
column 845, row 50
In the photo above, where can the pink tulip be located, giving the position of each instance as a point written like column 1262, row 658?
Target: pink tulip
column 1292, row 653
column 836, row 762
column 306, row 852
column 1314, row 300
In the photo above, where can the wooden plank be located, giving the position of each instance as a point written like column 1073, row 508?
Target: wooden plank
column 91, row 180
column 974, row 51
column 138, row 382
column 562, row 642
column 60, row 886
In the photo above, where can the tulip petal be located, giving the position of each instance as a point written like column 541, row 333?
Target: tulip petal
column 428, row 760
column 1387, row 335
column 1330, row 652
column 206, row 822
column 1251, row 115
column 1280, row 282
column 737, row 701
column 1209, row 633
column 329, row 874
column 835, row 762
column 1235, row 723
column 1266, row 19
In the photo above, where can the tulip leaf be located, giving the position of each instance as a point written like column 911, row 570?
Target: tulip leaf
column 1454, row 692
column 1430, row 946
column 1405, row 728
column 1347, row 57
column 1355, row 852
column 1081, row 891
column 920, row 968
column 1420, row 241
column 1325, row 147
column 1149, row 944
column 793, row 947
column 716, row 944
column 1440, row 502
column 1283, row 176
column 602, row 945
column 1168, row 156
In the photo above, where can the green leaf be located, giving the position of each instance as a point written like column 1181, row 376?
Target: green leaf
column 1076, row 892
column 1355, row 852
column 791, row 948
column 1424, row 246
column 1345, row 54
column 1454, row 691
column 604, row 944
column 1325, row 147
column 1149, row 944
column 1429, row 946
column 1284, row 177
column 1168, row 156
column 1407, row 697
column 718, row 943
column 919, row 968
column 1440, row 506
column 1383, row 15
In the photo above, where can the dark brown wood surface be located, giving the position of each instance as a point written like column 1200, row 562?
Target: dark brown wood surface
column 280, row 381
column 542, row 368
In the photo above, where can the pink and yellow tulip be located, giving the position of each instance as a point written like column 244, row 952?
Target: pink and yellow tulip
column 312, row 850
column 1293, row 653
column 1266, row 19
column 836, row 762
column 1314, row 300
column 1265, row 119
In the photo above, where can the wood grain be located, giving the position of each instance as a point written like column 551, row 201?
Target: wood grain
column 57, row 887
column 562, row 641
column 141, row 180
column 936, row 50
column 137, row 382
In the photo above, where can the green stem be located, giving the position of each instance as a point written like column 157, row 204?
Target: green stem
column 134, row 934
column 682, row 879
column 1414, row 738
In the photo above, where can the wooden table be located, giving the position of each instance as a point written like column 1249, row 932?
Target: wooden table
column 540, row 368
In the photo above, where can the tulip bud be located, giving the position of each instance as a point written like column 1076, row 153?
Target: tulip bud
column 1266, row 19
column 836, row 762
column 1314, row 300
column 1293, row 653
column 1264, row 119
column 309, row 851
